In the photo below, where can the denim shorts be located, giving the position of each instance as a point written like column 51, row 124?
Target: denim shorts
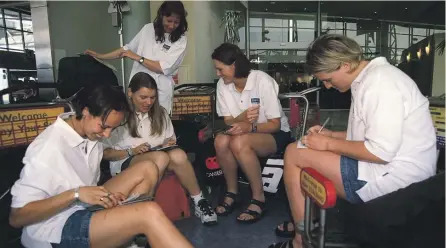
column 75, row 233
column 349, row 174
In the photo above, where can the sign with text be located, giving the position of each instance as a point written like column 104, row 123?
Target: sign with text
column 184, row 105
column 21, row 126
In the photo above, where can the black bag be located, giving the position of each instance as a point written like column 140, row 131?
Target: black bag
column 77, row 72
column 207, row 169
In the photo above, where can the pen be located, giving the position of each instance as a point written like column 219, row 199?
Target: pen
column 323, row 125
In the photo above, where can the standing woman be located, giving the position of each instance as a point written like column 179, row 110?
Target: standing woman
column 257, row 131
column 158, row 49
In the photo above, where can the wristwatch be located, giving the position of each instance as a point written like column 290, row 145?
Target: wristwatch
column 76, row 194
column 141, row 60
column 254, row 128
column 129, row 152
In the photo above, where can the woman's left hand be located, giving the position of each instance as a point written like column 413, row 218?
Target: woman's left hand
column 316, row 141
column 239, row 128
column 131, row 55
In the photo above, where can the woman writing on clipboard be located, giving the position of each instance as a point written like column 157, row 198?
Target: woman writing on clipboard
column 158, row 49
column 149, row 126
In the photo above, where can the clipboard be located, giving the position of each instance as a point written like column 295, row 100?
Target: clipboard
column 135, row 198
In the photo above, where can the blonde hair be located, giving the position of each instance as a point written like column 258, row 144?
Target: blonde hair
column 328, row 52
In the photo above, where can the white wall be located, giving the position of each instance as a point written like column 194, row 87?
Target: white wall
column 438, row 81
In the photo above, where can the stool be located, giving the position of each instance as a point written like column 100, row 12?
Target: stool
column 172, row 198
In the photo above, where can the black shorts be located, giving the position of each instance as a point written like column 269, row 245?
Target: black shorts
column 282, row 140
column 126, row 163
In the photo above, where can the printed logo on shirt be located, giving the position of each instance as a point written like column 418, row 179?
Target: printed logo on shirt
column 165, row 48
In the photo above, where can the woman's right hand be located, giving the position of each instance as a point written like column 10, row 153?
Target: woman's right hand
column 325, row 132
column 144, row 147
column 98, row 195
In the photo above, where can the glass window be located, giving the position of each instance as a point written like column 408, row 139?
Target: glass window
column 305, row 24
column 275, row 23
column 12, row 19
column 257, row 22
column 255, row 34
column 419, row 31
column 17, row 34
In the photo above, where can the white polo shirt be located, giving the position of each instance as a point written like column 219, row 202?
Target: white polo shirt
column 56, row 161
column 120, row 138
column 391, row 115
column 170, row 56
column 230, row 102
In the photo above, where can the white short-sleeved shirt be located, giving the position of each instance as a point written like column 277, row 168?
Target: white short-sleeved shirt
column 120, row 138
column 59, row 159
column 260, row 85
column 170, row 56
column 391, row 115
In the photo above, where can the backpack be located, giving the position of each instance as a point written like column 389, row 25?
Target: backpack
column 77, row 72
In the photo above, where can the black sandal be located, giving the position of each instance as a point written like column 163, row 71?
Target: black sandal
column 286, row 233
column 286, row 244
column 229, row 208
column 256, row 215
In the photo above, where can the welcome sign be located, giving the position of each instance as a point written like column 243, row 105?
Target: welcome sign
column 21, row 126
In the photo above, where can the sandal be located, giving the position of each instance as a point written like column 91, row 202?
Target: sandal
column 286, row 244
column 229, row 208
column 256, row 215
column 286, row 233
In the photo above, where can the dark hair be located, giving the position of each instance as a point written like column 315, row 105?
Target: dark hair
column 230, row 54
column 169, row 8
column 157, row 114
column 100, row 100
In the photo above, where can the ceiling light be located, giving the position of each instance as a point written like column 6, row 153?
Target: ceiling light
column 305, row 9
column 375, row 12
column 273, row 2
column 419, row 53
column 408, row 57
column 405, row 8
column 266, row 9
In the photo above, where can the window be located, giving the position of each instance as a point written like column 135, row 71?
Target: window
column 16, row 31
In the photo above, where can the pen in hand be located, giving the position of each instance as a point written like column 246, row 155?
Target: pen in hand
column 323, row 125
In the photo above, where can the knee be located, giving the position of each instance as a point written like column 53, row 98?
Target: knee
column 221, row 143
column 151, row 210
column 238, row 144
column 148, row 170
column 162, row 160
column 178, row 157
column 293, row 155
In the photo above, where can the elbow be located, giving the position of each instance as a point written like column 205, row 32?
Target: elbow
column 14, row 222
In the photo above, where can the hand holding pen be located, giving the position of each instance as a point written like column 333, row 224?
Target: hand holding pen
column 317, row 137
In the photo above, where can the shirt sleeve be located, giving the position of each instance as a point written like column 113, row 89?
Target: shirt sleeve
column 269, row 93
column 174, row 57
column 36, row 182
column 169, row 132
column 133, row 45
column 383, row 113
column 222, row 107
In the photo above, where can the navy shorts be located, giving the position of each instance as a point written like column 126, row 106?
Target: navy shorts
column 282, row 140
column 349, row 174
column 75, row 233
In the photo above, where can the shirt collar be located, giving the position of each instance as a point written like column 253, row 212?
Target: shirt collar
column 374, row 62
column 71, row 136
column 249, row 83
column 141, row 115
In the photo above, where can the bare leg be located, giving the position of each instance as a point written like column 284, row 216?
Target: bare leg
column 228, row 164
column 116, row 226
column 140, row 178
column 161, row 159
column 327, row 163
column 247, row 148
column 180, row 165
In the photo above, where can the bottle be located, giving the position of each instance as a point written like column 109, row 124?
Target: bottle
column 254, row 101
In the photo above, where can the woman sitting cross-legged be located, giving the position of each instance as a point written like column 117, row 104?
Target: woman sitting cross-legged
column 60, row 178
column 149, row 126
column 258, row 130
